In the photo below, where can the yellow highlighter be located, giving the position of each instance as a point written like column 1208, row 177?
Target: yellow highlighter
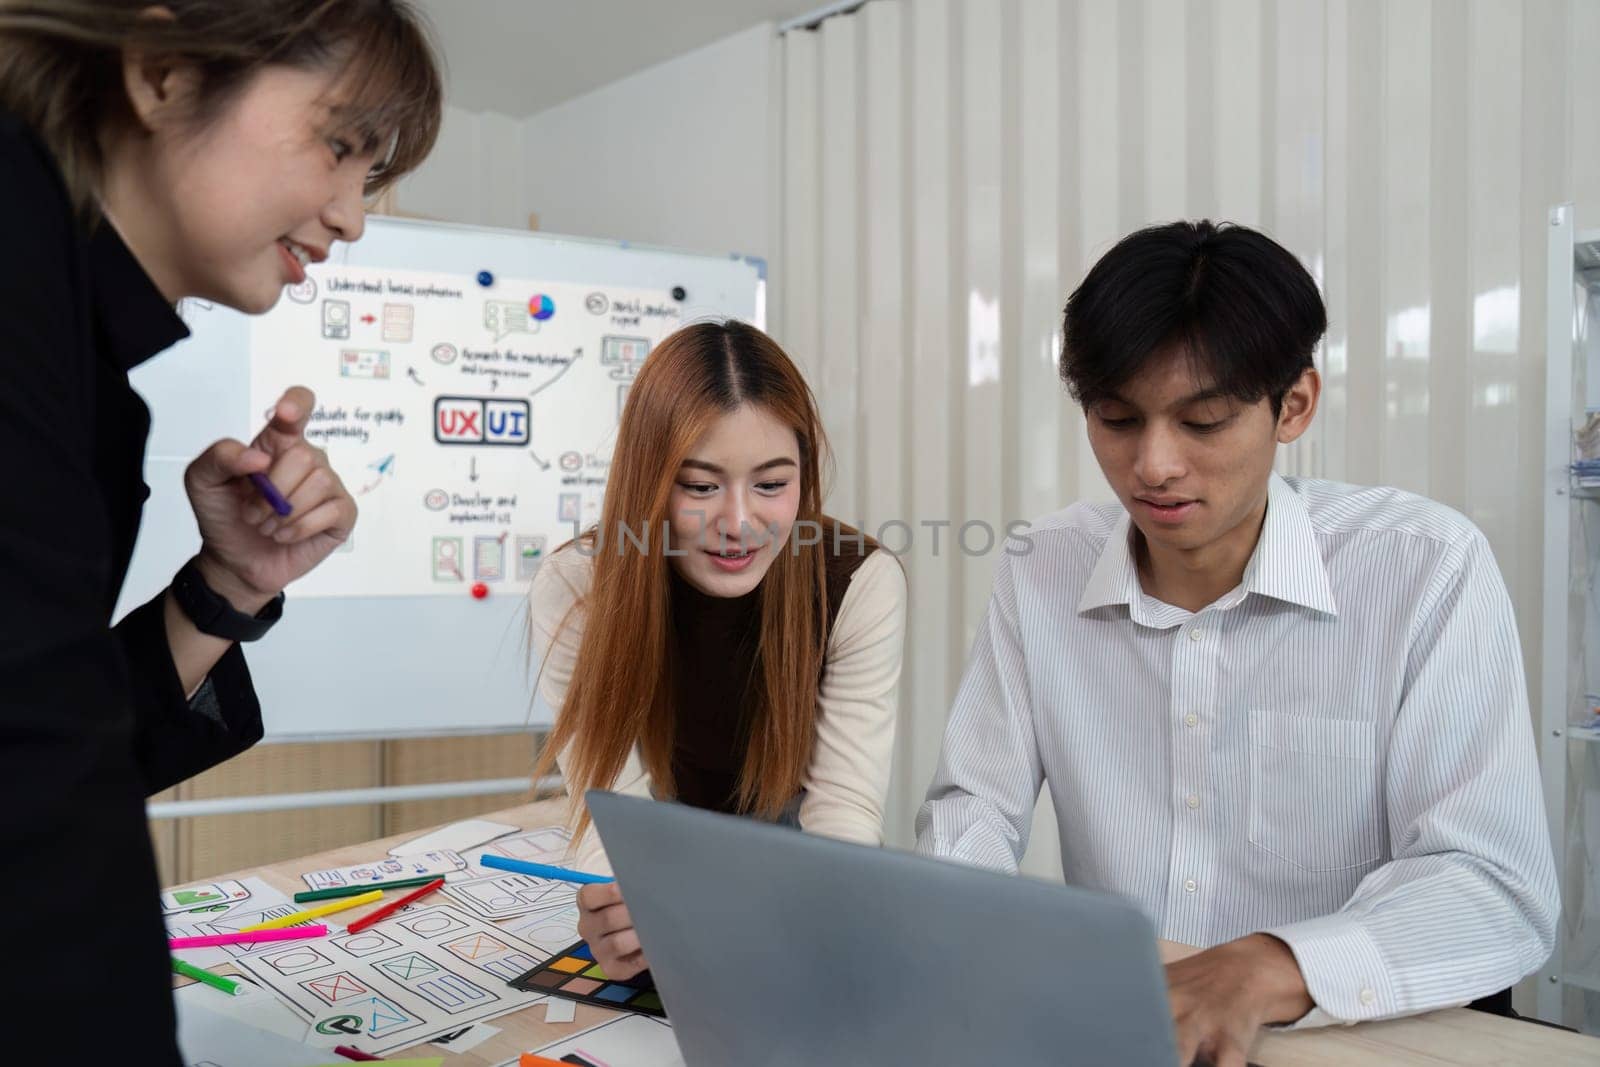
column 313, row 913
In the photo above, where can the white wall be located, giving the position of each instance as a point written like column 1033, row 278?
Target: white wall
column 475, row 174
column 679, row 154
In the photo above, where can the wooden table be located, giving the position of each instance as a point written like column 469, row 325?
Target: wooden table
column 1456, row 1036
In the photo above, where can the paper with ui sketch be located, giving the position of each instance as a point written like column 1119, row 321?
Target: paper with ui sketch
column 425, row 972
column 631, row 1041
column 263, row 902
column 496, row 894
column 209, row 896
column 253, row 1005
column 457, row 837
column 210, row 1038
column 439, row 861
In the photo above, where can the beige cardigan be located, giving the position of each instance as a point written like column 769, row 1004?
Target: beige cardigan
column 848, row 780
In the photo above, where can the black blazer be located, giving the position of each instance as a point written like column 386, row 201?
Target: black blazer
column 93, row 717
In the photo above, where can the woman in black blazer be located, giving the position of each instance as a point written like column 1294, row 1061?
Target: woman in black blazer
column 204, row 148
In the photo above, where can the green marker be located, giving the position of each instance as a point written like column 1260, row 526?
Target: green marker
column 308, row 895
column 200, row 974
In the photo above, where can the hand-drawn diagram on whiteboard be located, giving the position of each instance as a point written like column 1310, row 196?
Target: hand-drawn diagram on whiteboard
column 444, row 405
column 425, row 972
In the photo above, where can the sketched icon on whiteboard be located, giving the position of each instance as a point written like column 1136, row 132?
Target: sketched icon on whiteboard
column 447, row 559
column 302, row 293
column 398, row 321
column 503, row 317
column 569, row 507
column 336, row 320
column 488, row 558
column 530, row 553
column 370, row 363
column 623, row 355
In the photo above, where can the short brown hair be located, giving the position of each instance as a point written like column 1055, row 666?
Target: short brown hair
column 61, row 69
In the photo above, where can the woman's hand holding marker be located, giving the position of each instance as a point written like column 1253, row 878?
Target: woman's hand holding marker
column 249, row 550
column 604, row 922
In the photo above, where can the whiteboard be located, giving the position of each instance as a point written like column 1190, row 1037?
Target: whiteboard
column 469, row 383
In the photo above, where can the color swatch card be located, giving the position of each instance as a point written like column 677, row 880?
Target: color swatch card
column 388, row 869
column 574, row 975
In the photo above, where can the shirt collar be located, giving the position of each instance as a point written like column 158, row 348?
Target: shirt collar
column 1286, row 565
column 132, row 320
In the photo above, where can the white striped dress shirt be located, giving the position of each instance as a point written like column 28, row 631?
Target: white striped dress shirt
column 1338, row 752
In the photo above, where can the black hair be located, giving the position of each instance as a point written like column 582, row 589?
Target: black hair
column 1240, row 304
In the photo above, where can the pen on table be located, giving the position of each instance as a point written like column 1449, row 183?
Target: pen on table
column 200, row 974
column 350, row 1052
column 390, row 908
column 270, row 494
column 306, row 896
column 315, row 913
column 543, row 870
column 208, row 940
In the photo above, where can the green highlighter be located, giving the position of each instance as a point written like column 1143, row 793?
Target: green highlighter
column 200, row 974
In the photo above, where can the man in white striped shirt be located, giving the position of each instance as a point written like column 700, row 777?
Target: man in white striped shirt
column 1285, row 717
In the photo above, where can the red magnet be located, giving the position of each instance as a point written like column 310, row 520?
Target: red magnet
column 479, row 590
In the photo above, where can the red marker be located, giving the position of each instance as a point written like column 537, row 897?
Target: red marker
column 479, row 590
column 350, row 1052
column 389, row 909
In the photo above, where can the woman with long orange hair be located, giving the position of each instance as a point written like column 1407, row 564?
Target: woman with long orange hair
column 716, row 639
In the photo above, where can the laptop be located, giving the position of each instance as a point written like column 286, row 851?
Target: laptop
column 772, row 947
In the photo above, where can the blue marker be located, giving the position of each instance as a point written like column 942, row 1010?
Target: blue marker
column 542, row 870
column 485, row 279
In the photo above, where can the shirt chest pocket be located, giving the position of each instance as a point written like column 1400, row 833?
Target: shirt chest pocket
column 1314, row 790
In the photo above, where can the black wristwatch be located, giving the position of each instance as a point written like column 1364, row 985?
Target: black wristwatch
column 212, row 614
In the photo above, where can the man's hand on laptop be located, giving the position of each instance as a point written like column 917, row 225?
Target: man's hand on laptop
column 1221, row 997
column 604, row 922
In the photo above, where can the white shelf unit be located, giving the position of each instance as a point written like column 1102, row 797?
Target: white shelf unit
column 1569, row 748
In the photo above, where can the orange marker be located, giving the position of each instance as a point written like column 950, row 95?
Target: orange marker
column 530, row 1059
column 389, row 909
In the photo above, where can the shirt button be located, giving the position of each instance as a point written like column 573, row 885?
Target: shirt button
column 1192, row 800
column 1196, row 634
column 1368, row 996
column 1190, row 887
column 1191, row 719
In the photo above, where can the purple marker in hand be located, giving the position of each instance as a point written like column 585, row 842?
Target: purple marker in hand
column 270, row 493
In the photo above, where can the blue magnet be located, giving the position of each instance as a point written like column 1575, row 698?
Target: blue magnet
column 485, row 279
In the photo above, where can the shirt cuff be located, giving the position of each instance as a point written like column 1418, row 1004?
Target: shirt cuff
column 1343, row 970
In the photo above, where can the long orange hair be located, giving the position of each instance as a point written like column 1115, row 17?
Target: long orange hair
column 621, row 693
